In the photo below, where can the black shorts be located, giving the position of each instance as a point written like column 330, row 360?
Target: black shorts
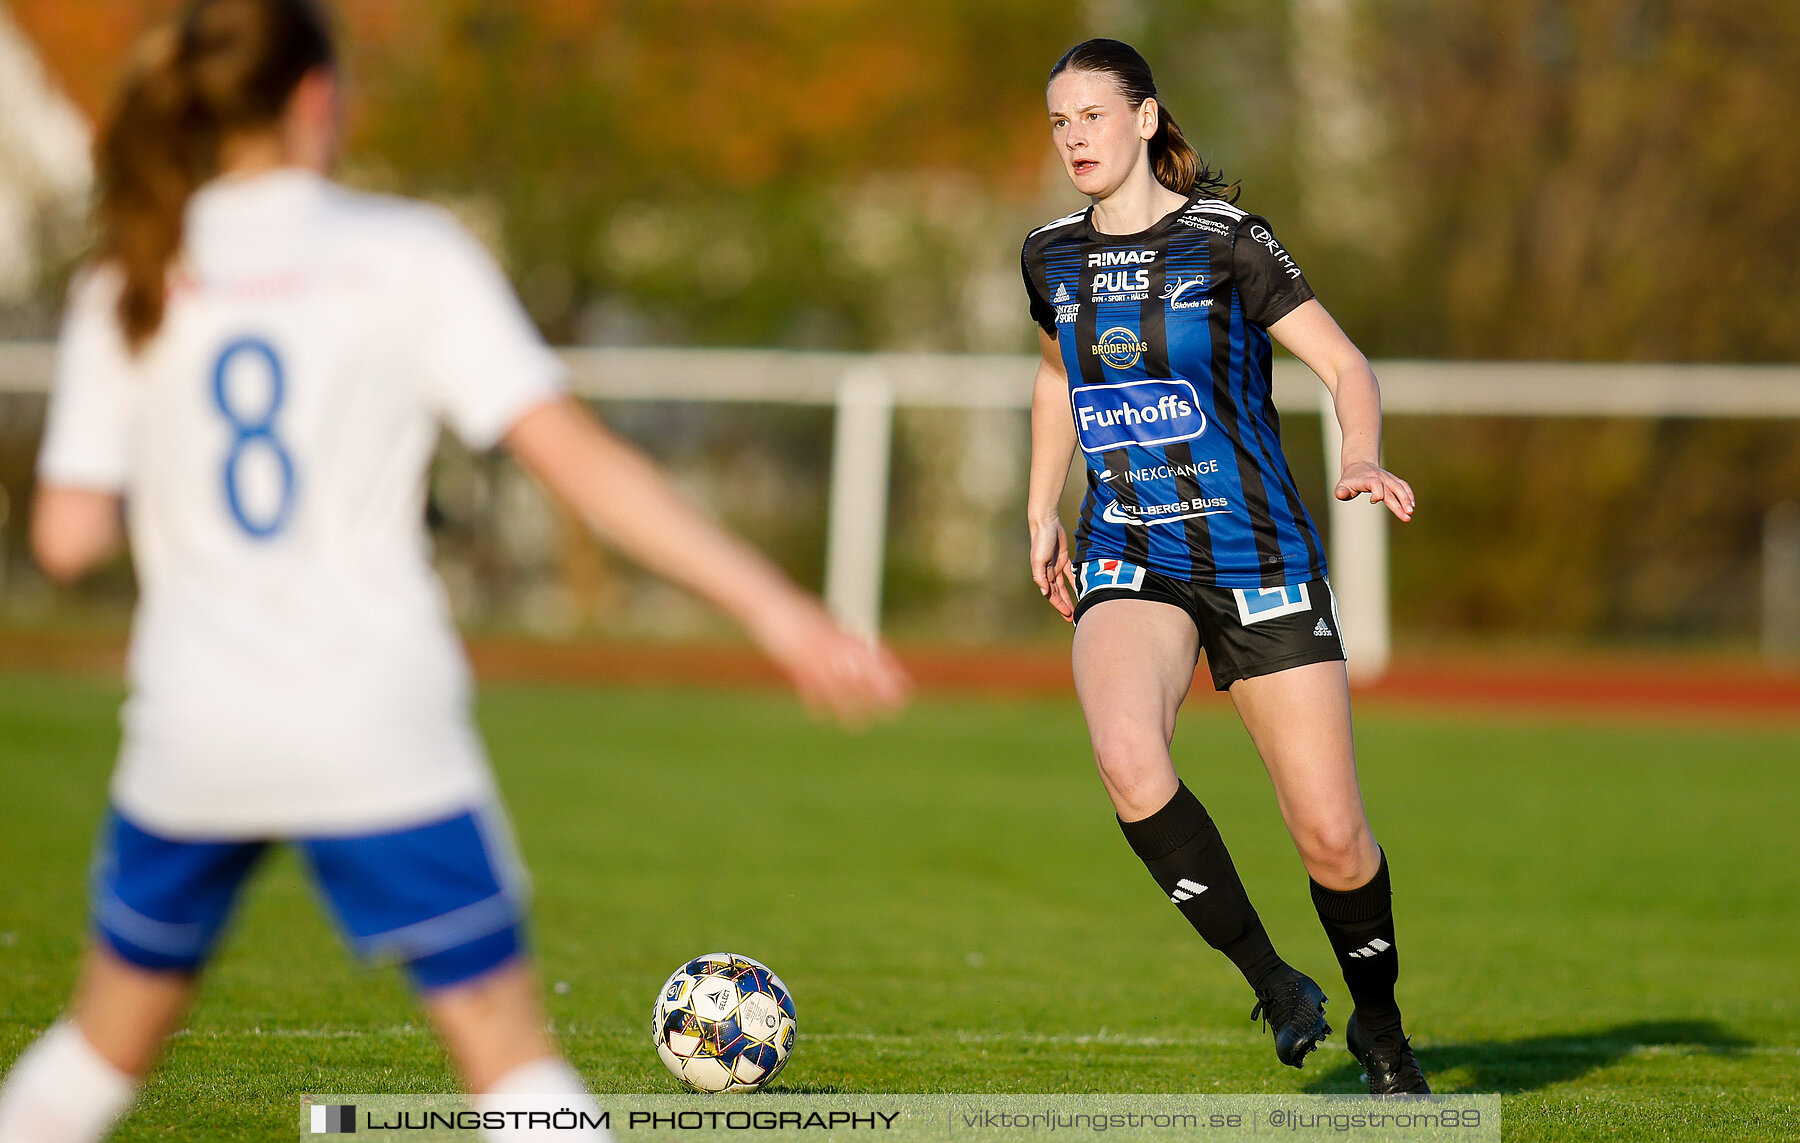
column 1245, row 632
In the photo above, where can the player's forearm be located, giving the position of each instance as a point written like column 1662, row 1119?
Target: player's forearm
column 1052, row 448
column 650, row 520
column 1310, row 334
column 1049, row 473
column 1356, row 396
column 625, row 499
column 74, row 530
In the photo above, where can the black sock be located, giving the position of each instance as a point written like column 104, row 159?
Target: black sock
column 1188, row 858
column 1360, row 924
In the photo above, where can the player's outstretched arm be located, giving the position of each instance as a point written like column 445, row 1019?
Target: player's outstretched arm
column 1052, row 447
column 1310, row 334
column 74, row 530
column 628, row 501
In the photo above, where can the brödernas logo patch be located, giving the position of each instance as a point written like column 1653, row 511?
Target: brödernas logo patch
column 1120, row 347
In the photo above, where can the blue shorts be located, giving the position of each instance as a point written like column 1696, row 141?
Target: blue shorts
column 443, row 899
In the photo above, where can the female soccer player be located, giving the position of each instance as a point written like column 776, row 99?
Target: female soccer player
column 1157, row 303
column 255, row 368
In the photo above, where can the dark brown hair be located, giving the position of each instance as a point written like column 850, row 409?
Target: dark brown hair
column 1172, row 158
column 226, row 66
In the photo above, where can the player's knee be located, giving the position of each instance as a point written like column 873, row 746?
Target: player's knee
column 1134, row 766
column 1334, row 851
column 1121, row 755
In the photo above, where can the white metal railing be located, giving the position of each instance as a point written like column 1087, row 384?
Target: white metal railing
column 865, row 388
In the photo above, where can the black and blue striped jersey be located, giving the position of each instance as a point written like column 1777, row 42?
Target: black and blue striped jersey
column 1164, row 335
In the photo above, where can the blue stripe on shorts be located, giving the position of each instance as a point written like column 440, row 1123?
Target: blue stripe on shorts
column 440, row 898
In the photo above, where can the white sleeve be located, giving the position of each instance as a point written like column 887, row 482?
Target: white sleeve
column 85, row 443
column 483, row 364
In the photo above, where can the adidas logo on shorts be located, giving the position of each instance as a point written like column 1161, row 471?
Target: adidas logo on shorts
column 1322, row 631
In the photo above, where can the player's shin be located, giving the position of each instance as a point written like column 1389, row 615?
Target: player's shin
column 1360, row 925
column 1187, row 857
column 62, row 1091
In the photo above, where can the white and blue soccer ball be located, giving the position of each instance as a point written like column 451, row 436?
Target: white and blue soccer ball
column 723, row 1023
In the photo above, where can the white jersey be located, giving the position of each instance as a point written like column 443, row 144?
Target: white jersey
column 294, row 668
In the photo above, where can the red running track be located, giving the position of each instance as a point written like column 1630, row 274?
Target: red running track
column 1632, row 686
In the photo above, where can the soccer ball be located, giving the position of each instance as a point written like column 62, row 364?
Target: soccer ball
column 723, row 1023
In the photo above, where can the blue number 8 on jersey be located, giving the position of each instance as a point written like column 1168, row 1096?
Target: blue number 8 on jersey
column 254, row 430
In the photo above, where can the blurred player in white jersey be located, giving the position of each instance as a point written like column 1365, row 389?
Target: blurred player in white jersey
column 255, row 368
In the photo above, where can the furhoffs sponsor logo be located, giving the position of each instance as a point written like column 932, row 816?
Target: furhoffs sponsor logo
column 1136, row 413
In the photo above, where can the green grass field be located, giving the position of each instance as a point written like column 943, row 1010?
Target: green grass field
column 1597, row 920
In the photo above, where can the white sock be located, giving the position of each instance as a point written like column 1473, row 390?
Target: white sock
column 548, row 1085
column 62, row 1091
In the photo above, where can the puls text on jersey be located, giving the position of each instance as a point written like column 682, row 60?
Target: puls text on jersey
column 1120, row 281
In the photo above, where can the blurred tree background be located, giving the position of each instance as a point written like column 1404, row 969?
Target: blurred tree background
column 1585, row 180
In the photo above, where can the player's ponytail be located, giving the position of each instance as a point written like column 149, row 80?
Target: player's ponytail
column 1174, row 161
column 227, row 66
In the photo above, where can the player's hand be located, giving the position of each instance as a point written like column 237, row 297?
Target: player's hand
column 1382, row 486
column 1050, row 567
column 837, row 673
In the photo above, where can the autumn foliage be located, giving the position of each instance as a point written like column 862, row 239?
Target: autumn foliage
column 1589, row 180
